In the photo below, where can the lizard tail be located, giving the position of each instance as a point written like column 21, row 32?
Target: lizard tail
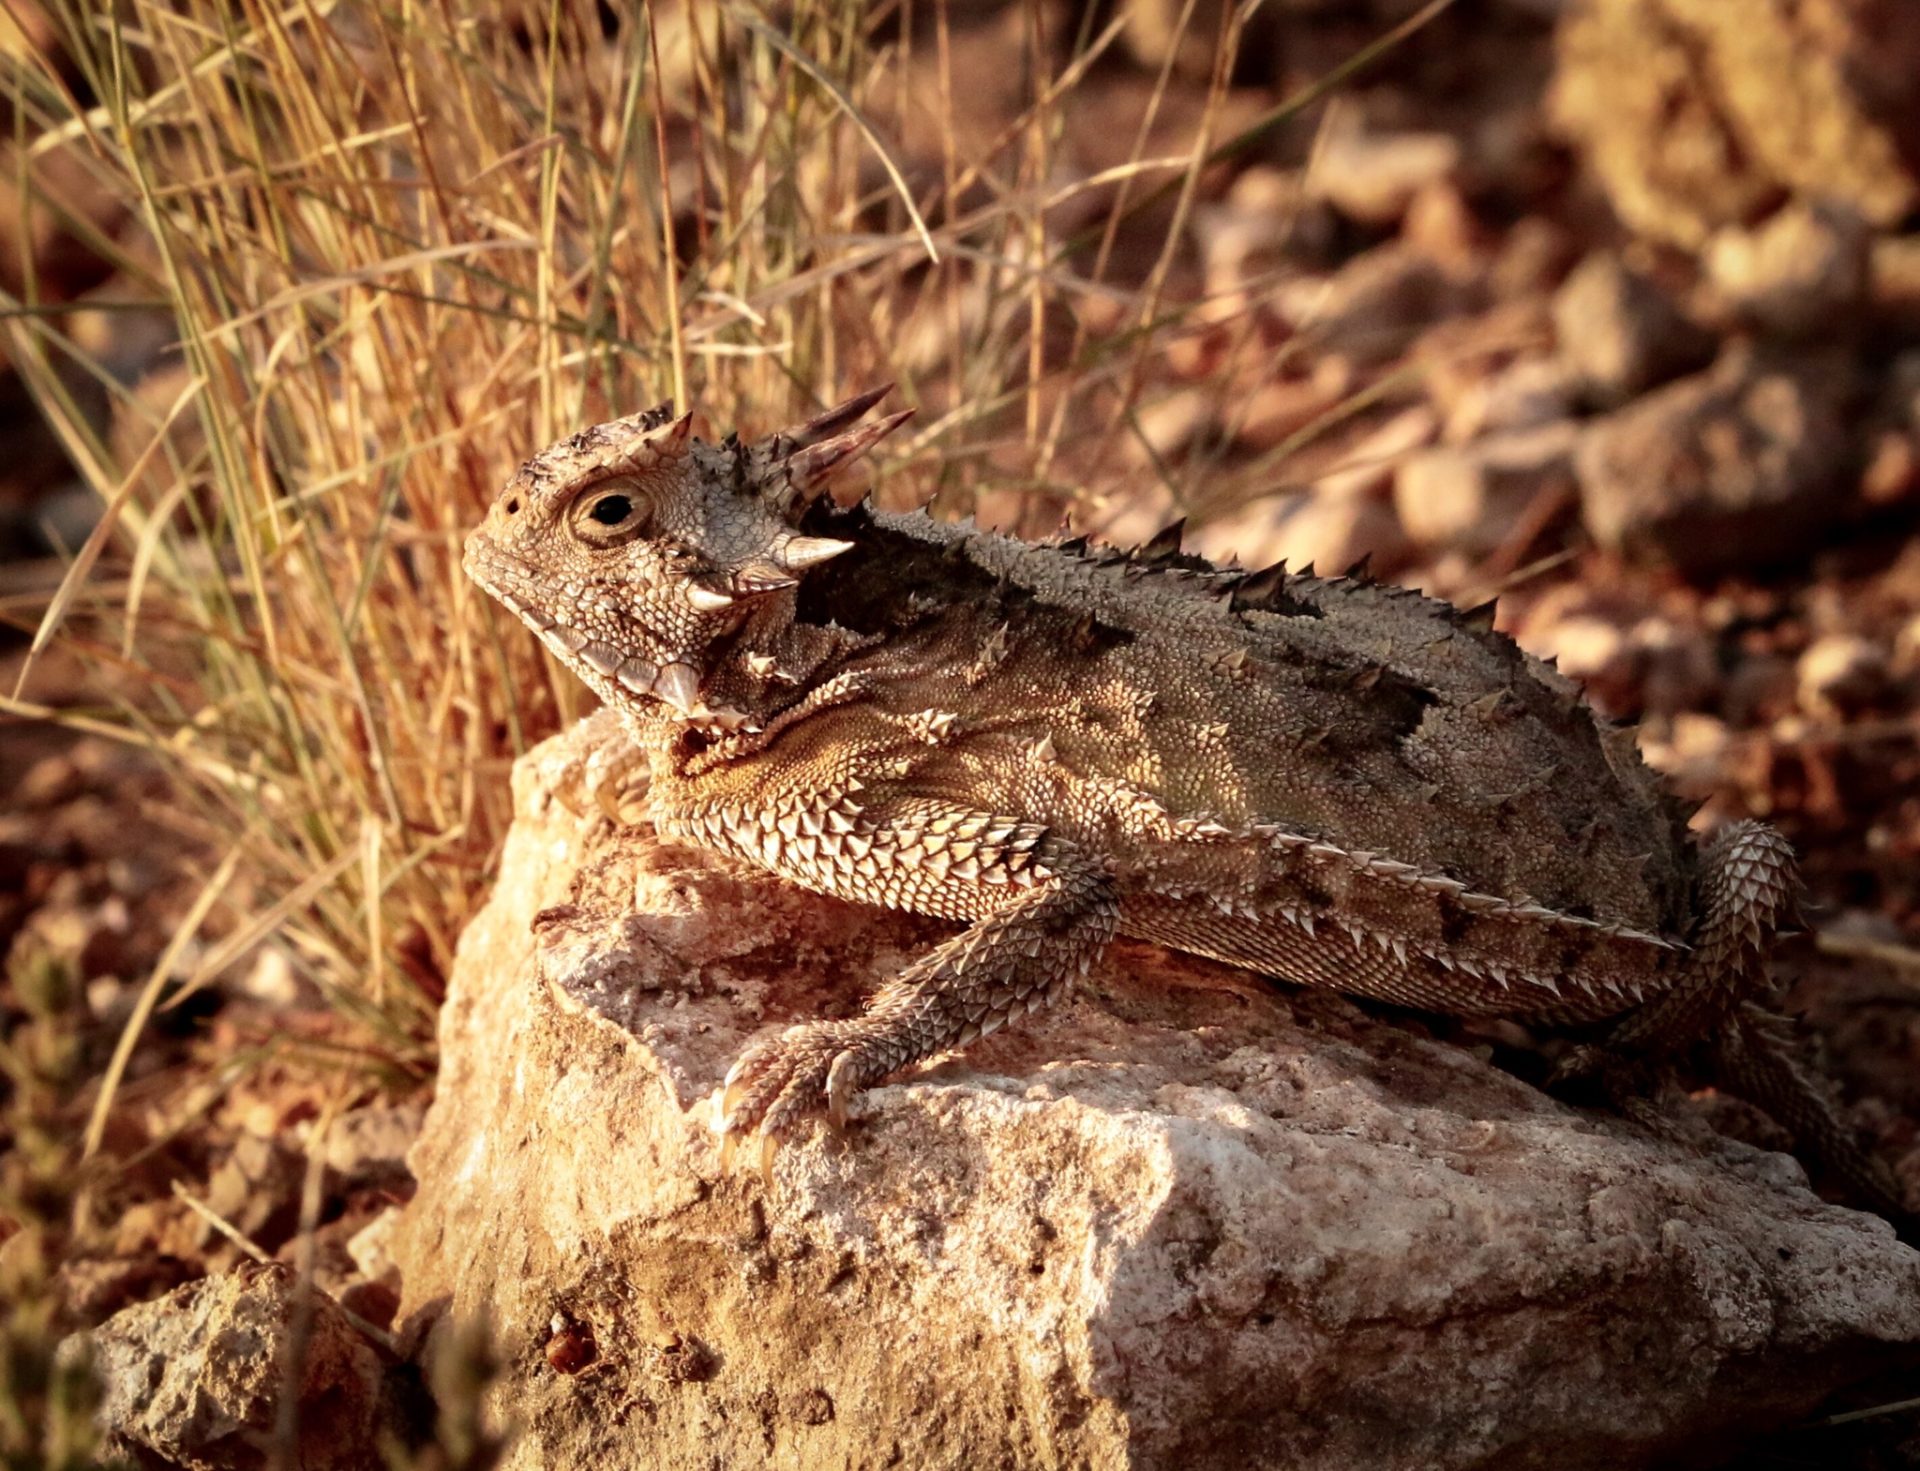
column 1754, row 1057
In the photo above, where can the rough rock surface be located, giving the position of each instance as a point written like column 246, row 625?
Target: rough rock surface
column 1804, row 273
column 197, row 1378
column 1619, row 333
column 1188, row 1220
column 1700, row 113
column 1725, row 469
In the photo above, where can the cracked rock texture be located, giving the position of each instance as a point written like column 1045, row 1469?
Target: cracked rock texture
column 1696, row 114
column 1189, row 1220
column 197, row 1378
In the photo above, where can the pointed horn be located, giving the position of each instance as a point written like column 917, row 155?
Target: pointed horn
column 660, row 444
column 798, row 553
column 830, row 423
column 679, row 686
column 674, row 434
column 808, row 467
column 760, row 575
column 707, row 599
column 1164, row 545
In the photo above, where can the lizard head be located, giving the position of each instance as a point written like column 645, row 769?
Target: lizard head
column 639, row 553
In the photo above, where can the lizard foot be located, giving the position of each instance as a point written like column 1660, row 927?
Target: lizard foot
column 810, row 1068
column 610, row 767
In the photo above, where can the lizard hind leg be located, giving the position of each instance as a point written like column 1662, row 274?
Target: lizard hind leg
column 1746, row 890
column 1755, row 1058
column 1014, row 960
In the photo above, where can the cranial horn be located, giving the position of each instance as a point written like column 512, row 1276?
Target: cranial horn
column 808, row 467
column 707, row 599
column 760, row 575
column 671, row 438
column 657, row 443
column 830, row 423
column 798, row 553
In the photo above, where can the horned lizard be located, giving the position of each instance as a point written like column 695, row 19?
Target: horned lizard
column 1327, row 780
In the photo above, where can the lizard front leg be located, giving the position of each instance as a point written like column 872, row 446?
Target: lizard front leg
column 1016, row 957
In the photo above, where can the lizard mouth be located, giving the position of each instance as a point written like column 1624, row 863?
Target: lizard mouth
column 673, row 682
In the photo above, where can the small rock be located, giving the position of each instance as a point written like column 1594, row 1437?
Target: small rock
column 256, row 1189
column 1268, row 216
column 1906, row 646
column 93, row 1288
column 1678, row 671
column 1526, row 395
column 64, row 518
column 1758, row 690
column 367, row 1147
column 1698, row 113
column 1726, row 469
column 1276, row 411
column 1586, row 647
column 1893, row 468
column 1690, row 749
column 1620, row 333
column 1802, row 274
column 1368, row 466
column 271, row 979
column 1841, row 675
column 1597, row 652
column 1468, row 497
column 1892, row 431
column 1169, row 425
column 1895, row 282
column 1534, row 258
column 371, row 1247
column 1372, row 177
column 197, row 1377
column 1373, row 308
column 1441, row 224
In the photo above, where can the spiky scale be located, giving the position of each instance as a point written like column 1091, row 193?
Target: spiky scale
column 1258, row 590
column 1480, row 616
column 1164, row 544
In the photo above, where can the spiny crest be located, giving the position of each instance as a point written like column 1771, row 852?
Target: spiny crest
column 636, row 443
column 800, row 458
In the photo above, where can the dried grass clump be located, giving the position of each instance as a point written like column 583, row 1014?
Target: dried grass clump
column 404, row 246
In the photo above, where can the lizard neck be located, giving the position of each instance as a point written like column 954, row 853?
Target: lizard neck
column 769, row 667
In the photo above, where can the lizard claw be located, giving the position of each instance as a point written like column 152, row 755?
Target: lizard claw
column 1584, row 1061
column 769, row 1146
column 814, row 1068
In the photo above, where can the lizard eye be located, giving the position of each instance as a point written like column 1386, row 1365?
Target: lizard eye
column 611, row 510
column 610, row 513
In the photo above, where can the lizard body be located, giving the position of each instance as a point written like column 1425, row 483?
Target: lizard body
column 1327, row 780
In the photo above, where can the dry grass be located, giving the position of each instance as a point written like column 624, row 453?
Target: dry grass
column 402, row 249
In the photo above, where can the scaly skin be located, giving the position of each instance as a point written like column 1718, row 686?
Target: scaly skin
column 1329, row 781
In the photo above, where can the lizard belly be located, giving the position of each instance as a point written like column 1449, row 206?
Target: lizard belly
column 922, row 857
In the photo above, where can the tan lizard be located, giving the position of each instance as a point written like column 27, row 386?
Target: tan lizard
column 1331, row 781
